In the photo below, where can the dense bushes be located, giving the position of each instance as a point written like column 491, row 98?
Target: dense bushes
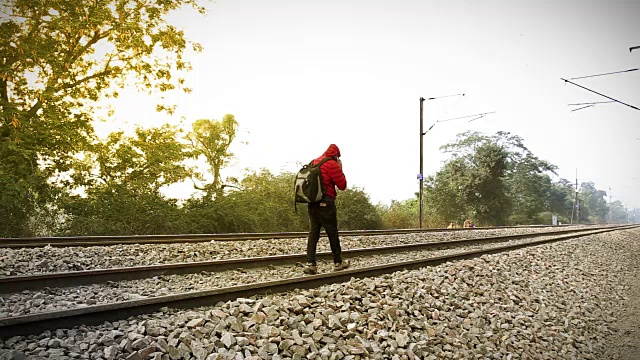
column 115, row 190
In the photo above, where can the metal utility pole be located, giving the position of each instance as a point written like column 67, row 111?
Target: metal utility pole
column 421, row 174
column 610, row 212
column 576, row 203
column 422, row 133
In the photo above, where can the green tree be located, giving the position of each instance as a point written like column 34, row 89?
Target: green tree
column 152, row 159
column 58, row 58
column 211, row 139
column 618, row 213
column 121, row 210
column 561, row 196
column 19, row 191
column 494, row 180
column 446, row 193
column 356, row 212
column 400, row 214
column 530, row 190
column 487, row 194
column 262, row 202
column 593, row 206
column 121, row 178
column 633, row 215
column 269, row 199
column 473, row 183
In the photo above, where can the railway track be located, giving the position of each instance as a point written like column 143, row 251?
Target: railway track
column 12, row 284
column 194, row 238
column 36, row 323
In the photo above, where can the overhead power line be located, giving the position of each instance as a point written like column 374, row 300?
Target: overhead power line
column 584, row 107
column 608, row 97
column 440, row 97
column 591, row 103
column 609, row 73
column 468, row 116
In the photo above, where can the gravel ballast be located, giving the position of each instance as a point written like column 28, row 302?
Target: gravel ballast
column 564, row 300
column 53, row 299
column 28, row 261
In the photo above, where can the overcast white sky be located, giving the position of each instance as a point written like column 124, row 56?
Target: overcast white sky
column 299, row 75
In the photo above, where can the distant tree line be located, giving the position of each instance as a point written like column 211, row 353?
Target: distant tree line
column 496, row 180
column 113, row 187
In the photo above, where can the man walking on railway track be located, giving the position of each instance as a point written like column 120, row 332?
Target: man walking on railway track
column 323, row 213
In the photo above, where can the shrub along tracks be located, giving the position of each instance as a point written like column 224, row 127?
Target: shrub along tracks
column 35, row 323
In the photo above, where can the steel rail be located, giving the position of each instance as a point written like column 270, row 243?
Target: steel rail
column 91, row 315
column 13, row 284
column 191, row 238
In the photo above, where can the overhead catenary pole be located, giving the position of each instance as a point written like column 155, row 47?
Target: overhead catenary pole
column 577, row 201
column 421, row 174
column 423, row 132
column 610, row 212
column 573, row 209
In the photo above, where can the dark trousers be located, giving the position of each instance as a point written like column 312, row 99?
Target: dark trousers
column 323, row 214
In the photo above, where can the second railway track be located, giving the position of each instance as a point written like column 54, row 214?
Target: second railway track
column 195, row 238
column 12, row 284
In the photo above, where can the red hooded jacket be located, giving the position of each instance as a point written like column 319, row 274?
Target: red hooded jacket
column 331, row 171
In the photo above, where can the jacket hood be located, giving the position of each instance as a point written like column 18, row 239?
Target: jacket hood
column 332, row 151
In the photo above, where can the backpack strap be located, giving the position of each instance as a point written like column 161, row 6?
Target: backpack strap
column 323, row 161
column 320, row 174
